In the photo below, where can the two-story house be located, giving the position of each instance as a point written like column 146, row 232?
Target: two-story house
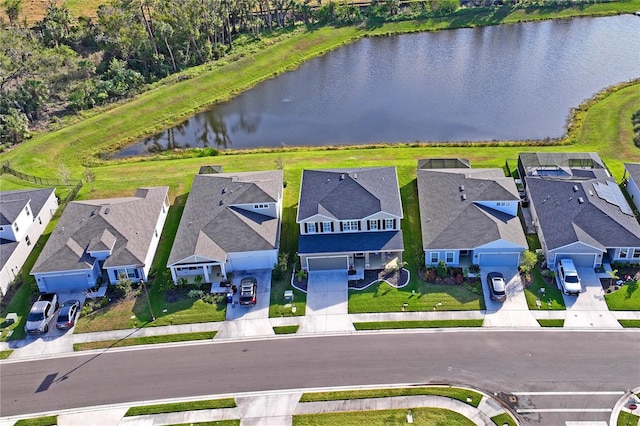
column 102, row 241
column 350, row 219
column 579, row 210
column 231, row 222
column 23, row 217
column 632, row 177
column 468, row 216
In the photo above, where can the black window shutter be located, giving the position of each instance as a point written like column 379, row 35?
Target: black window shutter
column 394, row 224
column 306, row 228
column 341, row 227
column 331, row 226
column 379, row 224
column 368, row 226
column 359, row 226
column 318, row 227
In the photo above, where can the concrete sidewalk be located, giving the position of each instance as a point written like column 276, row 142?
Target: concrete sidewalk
column 274, row 408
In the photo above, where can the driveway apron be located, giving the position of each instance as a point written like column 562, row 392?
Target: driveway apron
column 513, row 312
column 248, row 321
column 589, row 309
column 327, row 303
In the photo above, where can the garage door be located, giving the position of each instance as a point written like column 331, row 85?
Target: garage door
column 327, row 263
column 62, row 283
column 498, row 259
column 249, row 263
column 584, row 260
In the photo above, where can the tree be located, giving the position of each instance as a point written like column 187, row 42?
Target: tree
column 13, row 8
column 14, row 127
column 64, row 174
column 31, row 96
column 528, row 262
column 89, row 177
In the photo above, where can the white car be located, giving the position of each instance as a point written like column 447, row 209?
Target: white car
column 568, row 277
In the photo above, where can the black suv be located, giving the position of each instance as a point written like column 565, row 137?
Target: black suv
column 248, row 289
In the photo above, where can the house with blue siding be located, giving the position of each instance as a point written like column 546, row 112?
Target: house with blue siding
column 468, row 216
column 103, row 241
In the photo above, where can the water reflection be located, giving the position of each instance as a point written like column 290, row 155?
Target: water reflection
column 505, row 82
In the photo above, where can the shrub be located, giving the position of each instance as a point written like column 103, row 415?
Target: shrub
column 528, row 261
column 441, row 269
column 195, row 294
column 459, row 279
column 474, row 269
column 122, row 287
column 280, row 268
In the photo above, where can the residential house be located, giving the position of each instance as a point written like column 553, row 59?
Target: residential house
column 579, row 210
column 632, row 177
column 231, row 222
column 350, row 219
column 103, row 240
column 24, row 215
column 468, row 216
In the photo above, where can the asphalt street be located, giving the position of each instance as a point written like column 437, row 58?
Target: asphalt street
column 536, row 362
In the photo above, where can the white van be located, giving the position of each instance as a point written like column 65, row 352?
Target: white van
column 568, row 277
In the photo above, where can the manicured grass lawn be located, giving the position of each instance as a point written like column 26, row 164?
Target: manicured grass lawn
column 551, row 322
column 551, row 293
column 181, row 406
column 629, row 323
column 147, row 340
column 276, row 306
column 38, row 421
column 286, row 329
column 5, row 354
column 421, row 416
column 449, row 392
column 625, row 299
column 417, row 324
column 504, row 419
column 213, row 423
column 627, row 419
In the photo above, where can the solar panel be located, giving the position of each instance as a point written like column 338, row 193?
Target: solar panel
column 611, row 193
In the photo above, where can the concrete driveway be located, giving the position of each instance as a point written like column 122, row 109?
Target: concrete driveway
column 589, row 309
column 246, row 321
column 327, row 303
column 514, row 311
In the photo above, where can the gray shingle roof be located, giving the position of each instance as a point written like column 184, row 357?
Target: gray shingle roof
column 633, row 169
column 12, row 203
column 450, row 222
column 211, row 226
column 95, row 224
column 343, row 194
column 351, row 242
column 564, row 220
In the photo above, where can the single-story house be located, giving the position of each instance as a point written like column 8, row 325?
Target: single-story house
column 632, row 177
column 350, row 219
column 469, row 216
column 103, row 240
column 24, row 215
column 231, row 222
column 582, row 214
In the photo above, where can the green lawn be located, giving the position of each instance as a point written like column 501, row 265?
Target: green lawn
column 213, row 423
column 629, row 323
column 504, row 419
column 5, row 354
column 551, row 322
column 467, row 396
column 147, row 340
column 627, row 419
column 38, row 421
column 421, row 416
column 417, row 324
column 286, row 329
column 277, row 306
column 625, row 299
column 552, row 299
column 181, row 406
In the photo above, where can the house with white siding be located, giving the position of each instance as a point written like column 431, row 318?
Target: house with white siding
column 24, row 215
column 632, row 177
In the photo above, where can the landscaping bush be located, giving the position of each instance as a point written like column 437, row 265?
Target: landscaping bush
column 91, row 305
column 122, row 288
column 195, row 294
column 280, row 268
column 474, row 269
column 442, row 269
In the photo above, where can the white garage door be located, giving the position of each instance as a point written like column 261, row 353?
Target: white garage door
column 498, row 259
column 327, row 263
column 249, row 263
column 584, row 260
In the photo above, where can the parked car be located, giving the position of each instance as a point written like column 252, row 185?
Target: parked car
column 497, row 286
column 40, row 316
column 68, row 314
column 50, row 297
column 568, row 277
column 248, row 290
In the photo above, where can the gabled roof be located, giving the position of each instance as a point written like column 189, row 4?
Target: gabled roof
column 343, row 194
column 126, row 226
column 13, row 202
column 577, row 210
column 633, row 169
column 212, row 224
column 451, row 214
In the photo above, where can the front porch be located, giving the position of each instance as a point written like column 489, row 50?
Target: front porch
column 199, row 274
column 361, row 262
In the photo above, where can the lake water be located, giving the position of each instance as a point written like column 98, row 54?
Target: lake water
column 494, row 83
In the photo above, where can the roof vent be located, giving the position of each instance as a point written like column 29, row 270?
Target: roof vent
column 342, row 176
column 461, row 188
column 575, row 188
column 591, row 193
column 355, row 176
column 107, row 210
column 463, row 197
column 580, row 200
column 224, row 190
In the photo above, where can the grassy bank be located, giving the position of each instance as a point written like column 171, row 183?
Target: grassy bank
column 210, row 404
column 387, row 325
column 147, row 340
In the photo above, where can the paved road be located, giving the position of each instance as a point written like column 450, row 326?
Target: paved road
column 496, row 361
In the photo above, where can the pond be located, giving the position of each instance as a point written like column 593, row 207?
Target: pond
column 508, row 82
